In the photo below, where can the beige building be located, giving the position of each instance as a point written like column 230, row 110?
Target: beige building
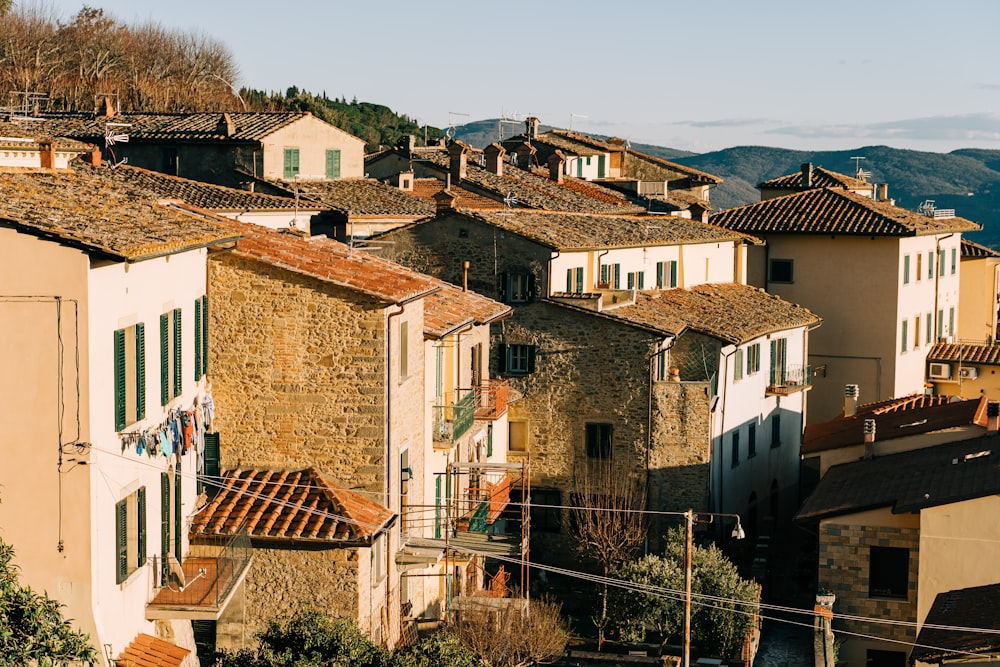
column 980, row 290
column 964, row 369
column 23, row 147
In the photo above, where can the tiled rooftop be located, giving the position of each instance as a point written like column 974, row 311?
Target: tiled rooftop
column 451, row 308
column 426, row 188
column 975, row 250
column 249, row 126
column 695, row 174
column 966, row 353
column 333, row 262
column 360, row 197
column 569, row 231
column 821, row 178
column 909, row 481
column 90, row 210
column 576, row 143
column 961, row 612
column 728, row 311
column 896, row 418
column 300, row 505
column 832, row 211
column 12, row 136
column 148, row 651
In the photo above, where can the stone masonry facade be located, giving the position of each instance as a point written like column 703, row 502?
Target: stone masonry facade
column 844, row 570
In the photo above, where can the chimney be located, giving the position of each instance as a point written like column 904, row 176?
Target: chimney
column 531, row 127
column 807, row 175
column 883, row 192
column 107, row 108
column 992, row 417
column 458, row 160
column 93, row 158
column 556, row 162
column 869, row 438
column 226, row 126
column 674, row 375
column 525, row 155
column 407, row 143
column 405, row 182
column 495, row 154
column 465, row 276
column 47, row 154
column 850, row 400
column 445, row 200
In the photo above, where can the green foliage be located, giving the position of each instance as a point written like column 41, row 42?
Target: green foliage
column 717, row 626
column 32, row 629
column 441, row 648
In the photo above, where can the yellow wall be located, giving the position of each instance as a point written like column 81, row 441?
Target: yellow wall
column 980, row 284
column 313, row 137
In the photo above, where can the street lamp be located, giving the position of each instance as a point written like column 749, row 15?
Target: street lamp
column 690, row 517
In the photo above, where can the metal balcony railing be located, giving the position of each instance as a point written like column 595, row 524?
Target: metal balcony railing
column 454, row 416
column 789, row 380
column 491, row 399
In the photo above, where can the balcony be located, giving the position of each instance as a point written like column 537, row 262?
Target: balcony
column 454, row 416
column 789, row 380
column 491, row 399
column 212, row 570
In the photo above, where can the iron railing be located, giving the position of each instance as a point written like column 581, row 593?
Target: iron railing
column 790, row 379
column 491, row 399
column 454, row 416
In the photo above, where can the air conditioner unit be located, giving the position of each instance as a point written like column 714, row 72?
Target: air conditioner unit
column 940, row 371
column 968, row 373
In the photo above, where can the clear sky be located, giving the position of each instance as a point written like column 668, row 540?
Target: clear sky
column 699, row 75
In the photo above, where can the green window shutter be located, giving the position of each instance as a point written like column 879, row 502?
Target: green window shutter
column 531, row 358
column 164, row 524
column 618, row 276
column 291, row 166
column 659, row 275
column 600, row 166
column 140, row 502
column 197, row 339
column 673, row 274
column 177, row 515
column 213, row 465
column 579, row 279
column 569, row 280
column 738, row 365
column 504, row 351
column 164, row 360
column 631, row 280
column 489, row 440
column 332, row 163
column 119, row 379
column 906, row 269
column 178, row 356
column 204, row 334
column 503, row 287
column 642, row 279
column 121, row 540
column 604, row 274
column 437, row 506
column 140, row 371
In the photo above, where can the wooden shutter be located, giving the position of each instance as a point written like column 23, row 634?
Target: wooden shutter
column 659, row 275
column 178, row 357
column 673, row 274
column 164, row 359
column 579, row 279
column 618, row 275
column 140, row 503
column 642, row 280
column 197, row 339
column 140, row 371
column 503, row 350
column 178, row 544
column 119, row 379
column 204, row 334
column 213, row 467
column 738, row 365
column 569, row 280
column 332, row 163
column 164, row 524
column 503, row 288
column 121, row 540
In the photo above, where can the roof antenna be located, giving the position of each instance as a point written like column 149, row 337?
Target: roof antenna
column 860, row 173
column 450, row 132
column 111, row 137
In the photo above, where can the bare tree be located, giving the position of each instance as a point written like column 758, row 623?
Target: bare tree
column 609, row 523
column 525, row 633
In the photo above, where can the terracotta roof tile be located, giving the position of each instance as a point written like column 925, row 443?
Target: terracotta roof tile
column 333, row 262
column 631, row 157
column 92, row 211
column 300, row 505
column 909, row 481
column 821, row 178
column 830, row 211
column 966, row 353
column 451, row 308
column 728, row 311
column 567, row 231
column 426, row 188
column 959, row 611
column 12, row 136
column 975, row 250
column 895, row 418
column 360, row 197
column 148, row 651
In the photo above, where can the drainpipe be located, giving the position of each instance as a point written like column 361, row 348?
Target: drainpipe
column 548, row 278
column 388, row 418
column 937, row 278
column 599, row 256
column 723, row 375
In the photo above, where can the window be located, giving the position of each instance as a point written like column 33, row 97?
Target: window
column 130, row 375
column 517, row 358
column 666, row 275
column 780, row 271
column 378, row 559
column 208, row 479
column 333, row 163
column 753, row 358
column 736, row 449
column 930, row 264
column 616, row 276
column 919, row 272
column 940, row 263
column 130, row 533
column 517, row 436
column 662, row 372
column 291, row 163
column 204, row 334
column 903, row 337
column 940, row 324
column 516, row 287
column 546, row 519
column 636, row 279
column 198, row 352
column 951, row 321
column 404, row 350
column 751, row 440
column 574, row 280
column 598, row 438
column 776, row 430
column 170, row 521
column 930, row 328
column 916, row 332
column 906, row 269
column 171, row 377
column 779, row 348
column 954, row 260
column 738, row 365
column 888, row 572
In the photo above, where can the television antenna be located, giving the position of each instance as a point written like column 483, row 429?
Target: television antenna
column 114, row 134
column 450, row 132
column 858, row 171
column 22, row 104
column 504, row 118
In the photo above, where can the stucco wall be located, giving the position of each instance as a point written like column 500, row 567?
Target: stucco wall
column 313, row 137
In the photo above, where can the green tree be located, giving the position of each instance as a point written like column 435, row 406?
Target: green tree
column 440, row 648
column 718, row 626
column 32, row 629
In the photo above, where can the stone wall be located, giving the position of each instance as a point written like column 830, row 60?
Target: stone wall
column 298, row 372
column 844, row 570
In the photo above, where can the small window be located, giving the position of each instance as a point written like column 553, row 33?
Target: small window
column 171, row 349
column 130, row 533
column 906, row 269
column 517, row 436
column 546, row 519
column 929, row 326
column 130, row 375
column 598, row 437
column 775, row 430
column 574, row 280
column 902, row 347
column 516, row 287
column 636, row 280
column 291, row 167
column 518, row 358
column 751, row 440
column 920, row 271
column 404, row 350
column 888, row 572
column 736, row 449
column 941, row 261
column 738, row 366
column 954, row 260
column 781, row 271
column 930, row 264
column 333, row 164
column 378, row 559
column 753, row 358
column 666, row 275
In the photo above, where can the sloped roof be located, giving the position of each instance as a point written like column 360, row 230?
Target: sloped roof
column 359, row 197
column 960, row 611
column 969, row 354
column 451, row 308
column 333, row 262
column 972, row 250
column 148, row 651
column 731, row 312
column 15, row 136
column 92, row 211
column 298, row 506
column 570, row 231
column 821, row 178
column 833, row 211
column 909, row 481
column 577, row 143
column 691, row 172
column 202, row 126
column 426, row 188
column 895, row 418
